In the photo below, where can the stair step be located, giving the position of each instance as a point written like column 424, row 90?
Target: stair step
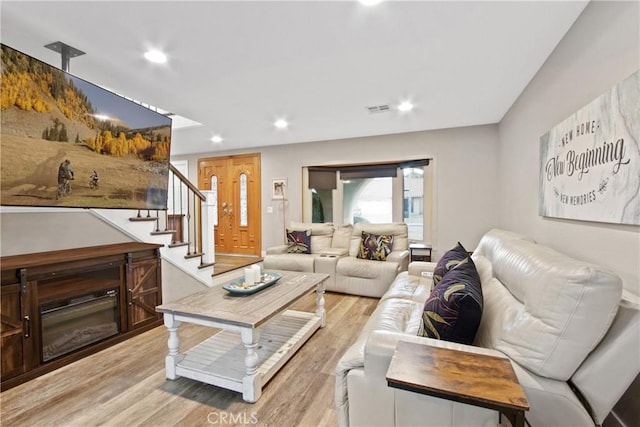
column 209, row 264
column 143, row 218
column 158, row 233
column 194, row 255
column 178, row 244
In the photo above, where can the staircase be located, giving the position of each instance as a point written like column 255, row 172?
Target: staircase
column 148, row 228
column 179, row 229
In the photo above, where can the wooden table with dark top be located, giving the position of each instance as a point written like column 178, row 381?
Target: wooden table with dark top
column 474, row 379
column 419, row 252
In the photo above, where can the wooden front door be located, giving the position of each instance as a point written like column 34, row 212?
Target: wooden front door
column 235, row 180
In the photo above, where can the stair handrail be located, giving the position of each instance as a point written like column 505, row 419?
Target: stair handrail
column 186, row 182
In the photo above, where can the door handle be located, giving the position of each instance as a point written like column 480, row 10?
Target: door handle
column 26, row 326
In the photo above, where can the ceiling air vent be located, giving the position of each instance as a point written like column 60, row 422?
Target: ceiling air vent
column 378, row 108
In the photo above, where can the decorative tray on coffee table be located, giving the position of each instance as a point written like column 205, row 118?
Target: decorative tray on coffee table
column 240, row 287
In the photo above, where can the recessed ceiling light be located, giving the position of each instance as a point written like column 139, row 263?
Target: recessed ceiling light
column 216, row 139
column 369, row 2
column 281, row 124
column 155, row 56
column 405, row 106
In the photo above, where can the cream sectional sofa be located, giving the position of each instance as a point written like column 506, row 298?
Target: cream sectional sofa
column 334, row 251
column 561, row 322
column 328, row 243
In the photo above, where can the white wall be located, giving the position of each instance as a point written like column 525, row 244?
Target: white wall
column 465, row 174
column 29, row 230
column 601, row 49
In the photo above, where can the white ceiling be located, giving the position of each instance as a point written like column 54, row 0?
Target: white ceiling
column 236, row 66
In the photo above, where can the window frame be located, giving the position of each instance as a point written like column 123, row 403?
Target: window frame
column 428, row 207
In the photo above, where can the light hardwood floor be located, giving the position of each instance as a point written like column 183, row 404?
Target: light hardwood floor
column 226, row 263
column 125, row 385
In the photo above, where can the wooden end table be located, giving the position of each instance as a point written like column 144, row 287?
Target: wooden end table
column 419, row 252
column 474, row 379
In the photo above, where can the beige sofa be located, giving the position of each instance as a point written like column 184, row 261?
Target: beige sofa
column 372, row 278
column 561, row 322
column 334, row 251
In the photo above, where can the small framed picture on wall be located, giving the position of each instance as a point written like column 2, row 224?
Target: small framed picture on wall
column 279, row 188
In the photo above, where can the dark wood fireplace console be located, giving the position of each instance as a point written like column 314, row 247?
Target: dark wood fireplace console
column 60, row 306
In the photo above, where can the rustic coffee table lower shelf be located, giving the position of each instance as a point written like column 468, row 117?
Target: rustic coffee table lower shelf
column 259, row 335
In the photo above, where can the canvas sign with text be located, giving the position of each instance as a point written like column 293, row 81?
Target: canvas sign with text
column 590, row 163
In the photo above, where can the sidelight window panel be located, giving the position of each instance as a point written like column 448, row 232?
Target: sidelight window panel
column 214, row 190
column 244, row 214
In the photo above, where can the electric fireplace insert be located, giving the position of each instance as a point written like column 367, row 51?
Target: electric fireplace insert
column 76, row 322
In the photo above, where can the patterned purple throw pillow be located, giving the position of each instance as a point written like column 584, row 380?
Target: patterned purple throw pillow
column 298, row 242
column 454, row 308
column 449, row 260
column 375, row 247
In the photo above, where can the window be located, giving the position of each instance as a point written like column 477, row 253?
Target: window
column 244, row 215
column 322, row 205
column 214, row 192
column 392, row 192
column 368, row 200
column 413, row 202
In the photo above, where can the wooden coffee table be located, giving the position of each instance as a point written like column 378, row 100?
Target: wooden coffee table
column 470, row 378
column 258, row 334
